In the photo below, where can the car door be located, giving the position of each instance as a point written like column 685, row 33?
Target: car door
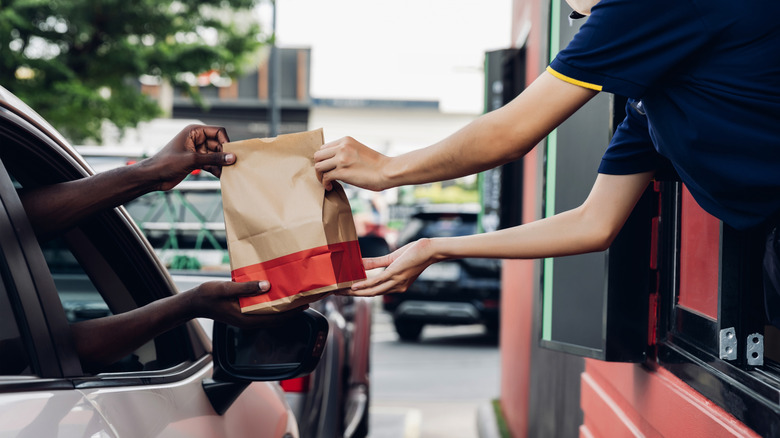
column 103, row 266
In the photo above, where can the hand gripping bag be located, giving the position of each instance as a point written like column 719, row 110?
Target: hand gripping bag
column 282, row 226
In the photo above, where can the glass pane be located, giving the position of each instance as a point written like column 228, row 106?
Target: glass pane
column 185, row 226
column 14, row 359
column 699, row 259
column 82, row 300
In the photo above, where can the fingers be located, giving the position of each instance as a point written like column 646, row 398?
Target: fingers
column 374, row 288
column 217, row 133
column 381, row 284
column 324, row 163
column 327, row 160
column 325, row 152
column 206, row 138
column 377, row 262
column 207, row 142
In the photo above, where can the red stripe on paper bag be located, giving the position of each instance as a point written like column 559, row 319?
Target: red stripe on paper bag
column 303, row 271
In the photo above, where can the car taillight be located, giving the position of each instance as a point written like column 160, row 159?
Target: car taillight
column 300, row 384
column 490, row 304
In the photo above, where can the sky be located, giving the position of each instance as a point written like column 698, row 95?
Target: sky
column 398, row 50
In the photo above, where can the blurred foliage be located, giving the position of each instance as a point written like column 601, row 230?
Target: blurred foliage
column 77, row 62
column 447, row 192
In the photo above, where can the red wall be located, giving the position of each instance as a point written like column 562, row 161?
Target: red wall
column 626, row 400
column 518, row 286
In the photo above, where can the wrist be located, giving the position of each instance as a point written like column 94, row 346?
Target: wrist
column 188, row 304
column 436, row 249
column 442, row 249
column 392, row 172
column 150, row 174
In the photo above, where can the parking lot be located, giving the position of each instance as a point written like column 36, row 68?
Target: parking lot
column 432, row 388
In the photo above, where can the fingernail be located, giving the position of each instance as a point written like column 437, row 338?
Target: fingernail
column 264, row 285
column 230, row 158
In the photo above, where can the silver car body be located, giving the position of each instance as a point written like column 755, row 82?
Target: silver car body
column 161, row 403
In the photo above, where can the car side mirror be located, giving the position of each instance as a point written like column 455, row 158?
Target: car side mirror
column 281, row 351
column 284, row 350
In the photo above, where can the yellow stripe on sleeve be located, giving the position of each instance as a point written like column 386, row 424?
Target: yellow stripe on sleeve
column 573, row 81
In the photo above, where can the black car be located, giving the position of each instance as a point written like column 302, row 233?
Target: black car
column 465, row 291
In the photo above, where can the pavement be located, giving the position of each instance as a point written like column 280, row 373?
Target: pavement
column 487, row 425
column 446, row 415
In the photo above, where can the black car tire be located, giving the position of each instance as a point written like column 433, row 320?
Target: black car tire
column 408, row 330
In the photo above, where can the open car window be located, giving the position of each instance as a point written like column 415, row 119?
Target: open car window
column 102, row 267
column 14, row 357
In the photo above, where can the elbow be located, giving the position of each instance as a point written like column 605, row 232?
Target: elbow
column 602, row 241
column 598, row 232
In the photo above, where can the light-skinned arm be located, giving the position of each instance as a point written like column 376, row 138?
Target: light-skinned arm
column 587, row 228
column 498, row 137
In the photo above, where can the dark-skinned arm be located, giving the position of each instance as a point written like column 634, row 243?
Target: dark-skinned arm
column 103, row 341
column 58, row 207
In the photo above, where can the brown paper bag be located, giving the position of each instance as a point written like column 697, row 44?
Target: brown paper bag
column 282, row 226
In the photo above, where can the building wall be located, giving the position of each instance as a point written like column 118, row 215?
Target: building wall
column 631, row 400
column 391, row 131
column 520, row 282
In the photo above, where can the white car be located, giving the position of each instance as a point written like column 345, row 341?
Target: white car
column 166, row 388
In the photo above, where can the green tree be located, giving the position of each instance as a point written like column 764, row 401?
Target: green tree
column 77, row 62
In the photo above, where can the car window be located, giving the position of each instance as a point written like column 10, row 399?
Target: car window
column 82, row 299
column 103, row 266
column 14, row 357
column 185, row 226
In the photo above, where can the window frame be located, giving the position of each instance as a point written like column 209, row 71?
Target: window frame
column 688, row 343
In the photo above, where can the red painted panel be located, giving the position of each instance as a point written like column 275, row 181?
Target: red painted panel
column 515, row 343
column 517, row 299
column 699, row 258
column 519, row 283
column 651, row 402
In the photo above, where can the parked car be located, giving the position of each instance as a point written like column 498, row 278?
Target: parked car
column 186, row 228
column 167, row 387
column 465, row 291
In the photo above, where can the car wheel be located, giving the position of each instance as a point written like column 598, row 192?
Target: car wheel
column 408, row 330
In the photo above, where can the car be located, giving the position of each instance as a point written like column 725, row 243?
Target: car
column 465, row 291
column 186, row 228
column 174, row 385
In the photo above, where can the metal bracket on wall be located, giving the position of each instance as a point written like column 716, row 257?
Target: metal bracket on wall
column 755, row 349
column 728, row 344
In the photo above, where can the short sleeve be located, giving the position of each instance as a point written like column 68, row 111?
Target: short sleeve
column 631, row 149
column 625, row 46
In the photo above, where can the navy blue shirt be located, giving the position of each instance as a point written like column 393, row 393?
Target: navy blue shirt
column 707, row 73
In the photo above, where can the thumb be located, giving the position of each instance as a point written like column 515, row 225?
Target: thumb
column 215, row 159
column 251, row 288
